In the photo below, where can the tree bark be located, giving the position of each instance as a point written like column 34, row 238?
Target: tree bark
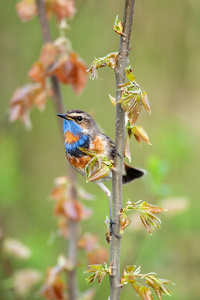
column 122, row 63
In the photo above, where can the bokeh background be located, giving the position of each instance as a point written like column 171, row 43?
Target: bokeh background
column 165, row 58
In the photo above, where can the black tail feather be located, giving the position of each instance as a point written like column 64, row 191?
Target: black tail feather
column 131, row 174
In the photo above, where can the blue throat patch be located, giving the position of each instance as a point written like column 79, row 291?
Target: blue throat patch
column 73, row 148
column 72, row 127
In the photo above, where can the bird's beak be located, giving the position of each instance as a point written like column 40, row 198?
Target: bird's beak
column 64, row 117
column 61, row 116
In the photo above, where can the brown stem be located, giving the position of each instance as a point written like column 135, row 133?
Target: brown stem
column 122, row 63
column 59, row 107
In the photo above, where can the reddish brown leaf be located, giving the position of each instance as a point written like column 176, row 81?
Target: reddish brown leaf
column 24, row 98
column 26, row 10
column 88, row 242
column 72, row 209
column 97, row 256
column 54, row 286
column 73, row 72
column 134, row 111
column 124, row 221
column 20, row 104
column 41, row 97
column 58, row 208
column 63, row 227
column 60, row 190
column 37, row 72
column 63, row 9
column 76, row 211
column 57, row 65
column 70, row 70
column 48, row 55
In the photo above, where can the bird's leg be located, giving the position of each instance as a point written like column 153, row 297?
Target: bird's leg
column 108, row 194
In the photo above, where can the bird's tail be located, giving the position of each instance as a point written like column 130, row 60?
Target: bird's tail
column 131, row 173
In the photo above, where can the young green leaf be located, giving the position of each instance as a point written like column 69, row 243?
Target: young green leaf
column 118, row 28
column 140, row 134
column 158, row 285
column 98, row 272
column 147, row 212
column 109, row 60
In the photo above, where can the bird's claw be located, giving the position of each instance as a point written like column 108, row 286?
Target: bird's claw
column 112, row 230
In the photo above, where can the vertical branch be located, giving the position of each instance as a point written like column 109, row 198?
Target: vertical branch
column 122, row 63
column 47, row 39
column 59, row 107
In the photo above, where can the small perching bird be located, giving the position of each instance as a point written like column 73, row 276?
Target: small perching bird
column 84, row 140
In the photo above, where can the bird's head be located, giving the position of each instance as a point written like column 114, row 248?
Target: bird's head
column 78, row 122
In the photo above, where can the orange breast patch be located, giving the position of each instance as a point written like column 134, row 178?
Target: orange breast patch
column 97, row 145
column 79, row 162
column 71, row 138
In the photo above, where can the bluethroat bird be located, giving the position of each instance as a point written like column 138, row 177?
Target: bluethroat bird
column 81, row 131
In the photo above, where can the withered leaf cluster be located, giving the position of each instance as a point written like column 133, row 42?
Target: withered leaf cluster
column 54, row 60
column 27, row 9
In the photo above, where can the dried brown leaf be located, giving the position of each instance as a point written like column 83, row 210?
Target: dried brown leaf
column 24, row 98
column 24, row 280
column 63, row 9
column 88, row 242
column 97, row 256
column 48, row 55
column 54, row 286
column 63, row 229
column 26, row 10
column 70, row 70
column 16, row 249
column 37, row 72
column 76, row 211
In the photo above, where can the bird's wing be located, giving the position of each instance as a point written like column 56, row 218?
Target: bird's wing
column 111, row 146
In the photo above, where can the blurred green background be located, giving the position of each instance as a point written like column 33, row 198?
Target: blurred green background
column 165, row 58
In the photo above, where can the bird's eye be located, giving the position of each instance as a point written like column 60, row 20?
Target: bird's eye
column 79, row 118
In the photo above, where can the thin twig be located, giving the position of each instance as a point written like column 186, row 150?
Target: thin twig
column 122, row 63
column 59, row 107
